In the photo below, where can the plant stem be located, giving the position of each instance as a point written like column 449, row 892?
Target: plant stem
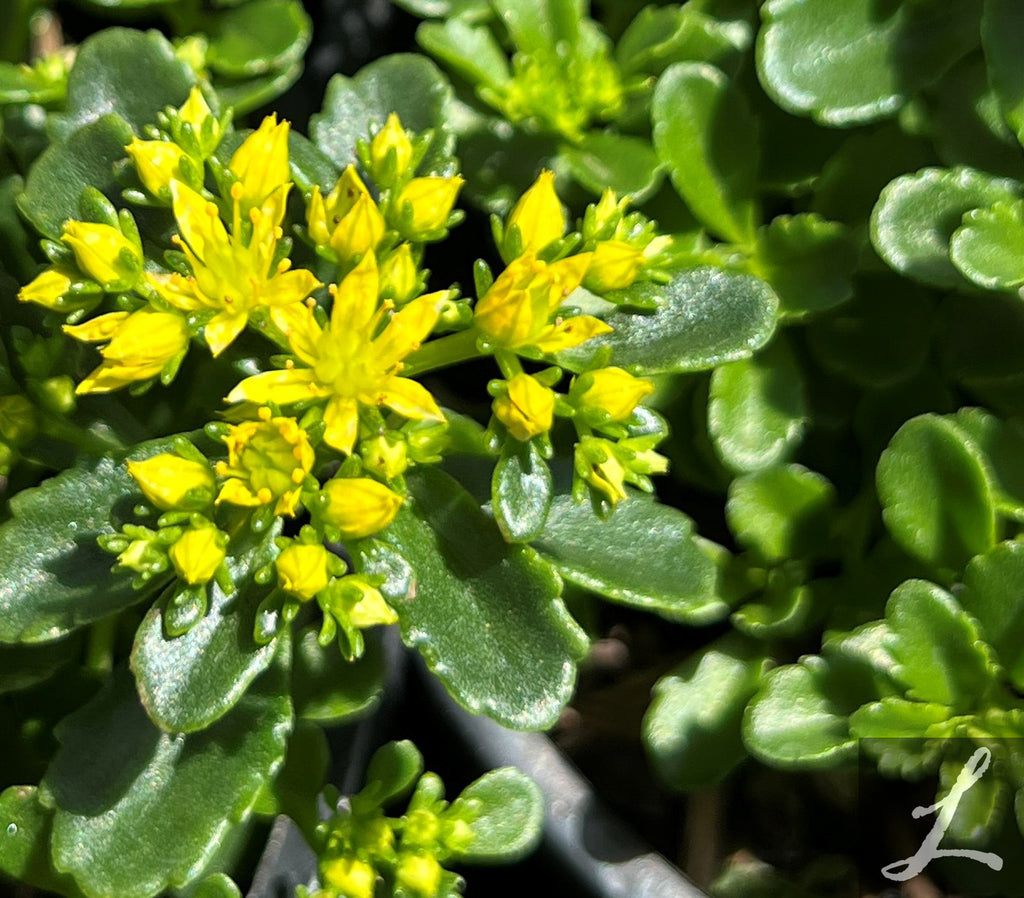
column 99, row 656
column 441, row 353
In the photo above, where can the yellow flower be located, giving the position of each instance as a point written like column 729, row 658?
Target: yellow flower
column 538, row 215
column 370, row 610
column 419, row 873
column 359, row 506
column 386, row 455
column 615, row 265
column 172, row 482
column 516, row 309
column 104, row 253
column 428, row 202
column 347, row 219
column 48, row 289
column 196, row 113
column 302, row 570
column 527, row 409
column 230, row 276
column 596, row 463
column 157, row 163
column 198, row 553
column 261, row 162
column 390, row 139
column 399, row 277
column 141, row 345
column 268, row 461
column 351, row 362
column 349, row 877
column 611, row 391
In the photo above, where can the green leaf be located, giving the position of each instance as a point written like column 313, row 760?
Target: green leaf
column 897, row 718
column 940, row 656
column 21, row 84
column 785, row 608
column 56, row 578
column 936, row 500
column 391, row 773
column 25, row 827
column 981, row 809
column 692, row 729
column 521, row 491
column 808, row 261
column 17, row 238
column 407, row 84
column 757, row 410
column 706, row 136
column 782, row 512
column 471, row 51
column 509, row 816
column 988, row 248
column 259, row 37
column 301, row 779
column 469, row 603
column 187, row 682
column 854, row 61
column 134, row 74
column 661, row 35
column 679, row 582
column 247, row 94
column 64, row 170
column 23, row 666
column 993, row 594
column 543, row 24
column 626, row 164
column 794, row 721
column 330, row 690
column 915, row 217
column 1001, row 448
column 219, row 885
column 704, row 318
column 309, row 166
column 118, row 825
column 1001, row 22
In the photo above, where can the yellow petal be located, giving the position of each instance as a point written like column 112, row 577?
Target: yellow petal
column 299, row 325
column 222, row 329
column 282, row 387
column 406, row 330
column 355, row 298
column 289, row 287
column 359, row 506
column 47, row 289
column 341, row 417
column 360, row 230
column 198, row 220
column 98, row 329
column 235, row 492
column 261, row 162
column 538, row 214
column 177, row 291
column 567, row 275
column 410, row 399
column 571, row 332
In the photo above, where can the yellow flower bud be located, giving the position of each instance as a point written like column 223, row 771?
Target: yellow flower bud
column 391, row 138
column 261, row 162
column 538, row 215
column 360, row 230
column 198, row 553
column 610, row 390
column 197, row 113
column 398, row 275
column 615, row 266
column 104, row 253
column 302, row 570
column 348, row 877
column 431, row 201
column 387, row 457
column 596, row 463
column 419, row 874
column 359, row 506
column 171, row 482
column 527, row 409
column 370, row 610
column 157, row 163
column 48, row 289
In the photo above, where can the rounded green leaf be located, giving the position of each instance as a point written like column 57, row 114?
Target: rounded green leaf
column 916, row 215
column 1001, row 448
column 849, row 62
column 407, row 84
column 692, row 729
column 679, row 579
column 391, row 773
column 704, row 317
column 328, row 689
column 988, row 248
column 138, row 811
column 470, row 603
column 625, row 164
column 509, row 816
column 521, row 491
column 257, row 38
column 243, row 95
column 993, row 594
column 470, row 50
column 897, row 718
column 25, row 827
column 936, row 499
column 1001, row 24
column 707, row 138
column 661, row 35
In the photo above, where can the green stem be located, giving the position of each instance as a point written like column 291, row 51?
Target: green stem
column 99, row 656
column 441, row 353
column 84, row 440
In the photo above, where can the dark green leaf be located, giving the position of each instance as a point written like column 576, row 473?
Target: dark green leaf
column 187, row 682
column 1001, row 23
column 121, row 788
column 25, row 827
column 705, row 317
column 470, row 50
column 301, row 779
column 993, row 594
column 246, row 94
column 23, row 666
column 521, row 491
column 645, row 555
column 988, row 248
column 328, row 689
column 410, row 85
column 259, row 37
column 662, row 35
column 309, row 166
column 469, row 602
column 936, row 500
column 916, row 215
column 510, row 814
column 391, row 773
column 707, row 138
column 692, row 728
column 785, row 609
column 627, row 165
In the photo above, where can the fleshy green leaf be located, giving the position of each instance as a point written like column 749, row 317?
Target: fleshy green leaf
column 705, row 317
column 246, row 94
column 992, row 593
column 1001, row 22
column 510, row 813
column 328, row 689
column 692, row 728
column 119, row 787
column 407, row 84
column 808, row 261
column 855, row 61
column 23, row 666
column 916, row 215
column 258, row 37
column 537, row 26
column 757, row 410
column 521, row 491
column 25, row 827
column 219, row 885
column 471, row 50
column 936, row 500
column 988, row 248
column 469, row 602
column 1001, row 448
column 391, row 773
column 707, row 138
column 626, row 164
column 903, row 737
column 940, row 656
column 64, row 170
column 680, row 586
column 661, row 35
column 187, row 682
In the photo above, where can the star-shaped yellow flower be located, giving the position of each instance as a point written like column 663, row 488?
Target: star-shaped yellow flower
column 355, row 360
